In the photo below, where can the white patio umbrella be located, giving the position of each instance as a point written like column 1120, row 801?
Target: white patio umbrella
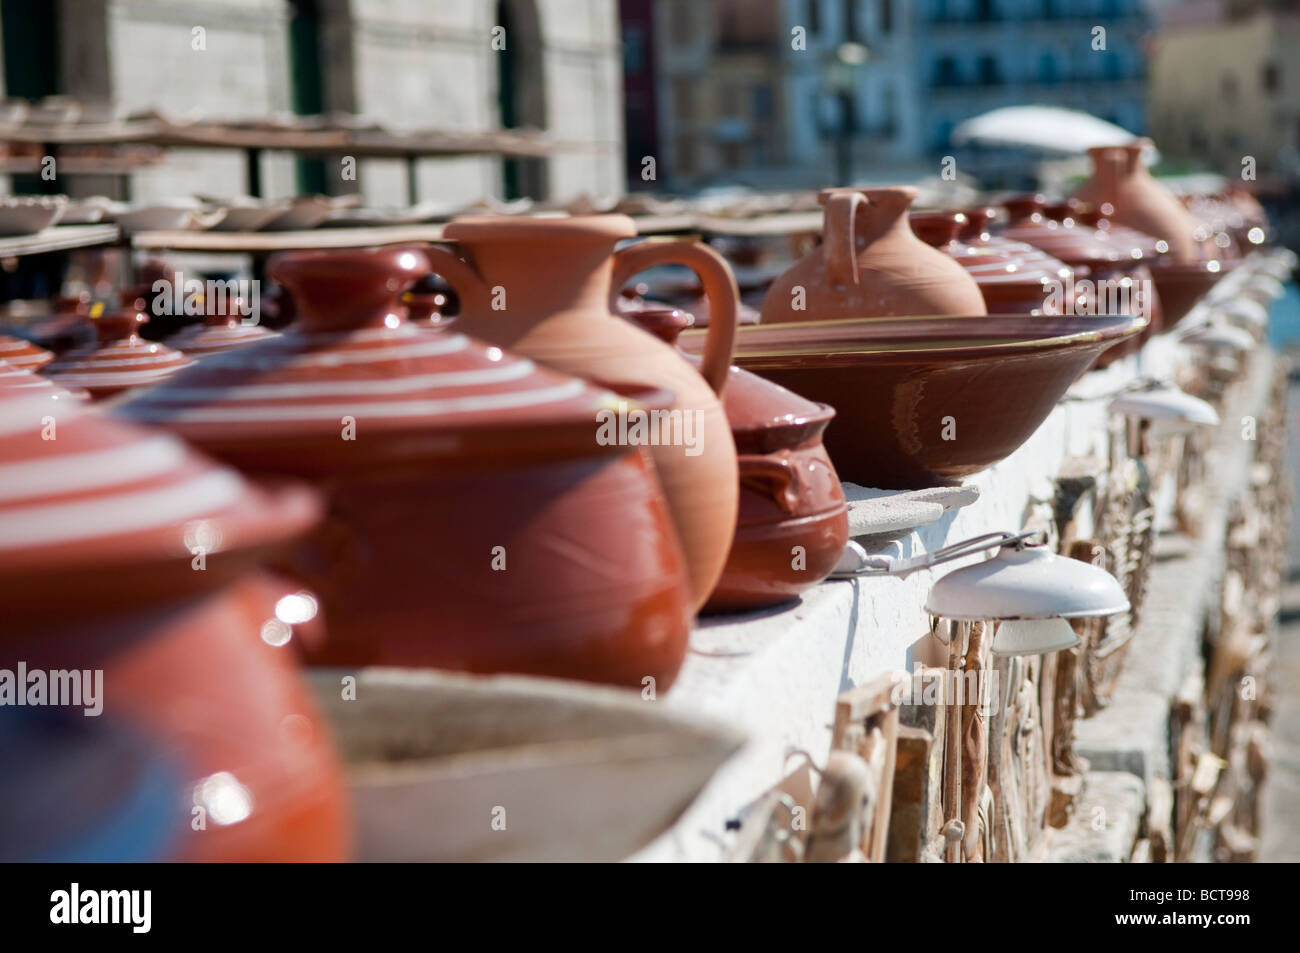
column 1046, row 128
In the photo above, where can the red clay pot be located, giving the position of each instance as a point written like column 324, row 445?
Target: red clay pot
column 476, row 520
column 120, row 360
column 793, row 523
column 223, row 329
column 124, row 551
column 1011, row 282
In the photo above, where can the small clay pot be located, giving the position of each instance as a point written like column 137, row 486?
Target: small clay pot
column 793, row 523
column 120, row 360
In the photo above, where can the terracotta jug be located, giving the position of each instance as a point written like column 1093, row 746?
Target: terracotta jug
column 547, row 288
column 870, row 264
column 101, row 534
column 1120, row 177
column 477, row 520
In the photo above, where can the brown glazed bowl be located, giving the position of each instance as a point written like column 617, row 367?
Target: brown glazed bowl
column 793, row 520
column 901, row 384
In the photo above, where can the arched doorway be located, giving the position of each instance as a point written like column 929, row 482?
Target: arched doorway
column 521, row 92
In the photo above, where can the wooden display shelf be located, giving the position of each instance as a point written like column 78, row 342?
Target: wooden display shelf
column 58, row 238
column 265, row 242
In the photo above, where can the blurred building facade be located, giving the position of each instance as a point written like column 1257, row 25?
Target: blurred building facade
column 1225, row 85
column 404, row 63
column 755, row 90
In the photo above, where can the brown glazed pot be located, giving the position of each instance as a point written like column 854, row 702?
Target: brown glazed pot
column 124, row 551
column 1008, row 280
column 1120, row 177
column 1111, row 263
column 477, row 521
column 546, row 288
column 895, row 382
column 793, row 523
column 222, row 329
column 120, row 360
column 870, row 264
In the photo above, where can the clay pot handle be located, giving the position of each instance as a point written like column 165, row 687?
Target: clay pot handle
column 841, row 235
column 774, row 475
column 719, row 288
column 461, row 275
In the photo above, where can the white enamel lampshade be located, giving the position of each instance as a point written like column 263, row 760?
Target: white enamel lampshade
column 1221, row 337
column 1175, row 408
column 1027, row 583
column 1034, row 637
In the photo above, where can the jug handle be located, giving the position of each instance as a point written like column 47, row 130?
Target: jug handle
column 460, row 274
column 840, row 229
column 719, row 288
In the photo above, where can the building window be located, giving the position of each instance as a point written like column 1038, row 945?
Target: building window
column 1049, row 73
column 1228, row 88
column 985, row 11
column 633, row 49
column 886, row 16
column 945, row 72
column 813, row 14
column 851, row 20
column 989, row 74
column 1270, row 77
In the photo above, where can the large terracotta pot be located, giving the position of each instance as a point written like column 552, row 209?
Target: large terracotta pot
column 121, row 550
column 120, row 360
column 1120, row 177
column 477, row 520
column 870, row 264
column 793, row 523
column 546, row 289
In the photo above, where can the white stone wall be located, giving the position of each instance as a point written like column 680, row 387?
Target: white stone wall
column 416, row 63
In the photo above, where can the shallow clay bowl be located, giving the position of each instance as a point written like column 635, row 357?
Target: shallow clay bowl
column 896, row 381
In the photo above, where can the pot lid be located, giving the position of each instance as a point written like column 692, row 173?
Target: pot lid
column 18, row 381
column 78, row 489
column 23, row 354
column 1071, row 233
column 223, row 330
column 753, row 404
column 120, row 359
column 989, row 262
column 352, row 362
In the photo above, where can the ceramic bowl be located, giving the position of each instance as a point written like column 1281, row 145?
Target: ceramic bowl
column 926, row 401
column 29, row 214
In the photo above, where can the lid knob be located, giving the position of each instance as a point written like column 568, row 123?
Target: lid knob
column 122, row 324
column 347, row 290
